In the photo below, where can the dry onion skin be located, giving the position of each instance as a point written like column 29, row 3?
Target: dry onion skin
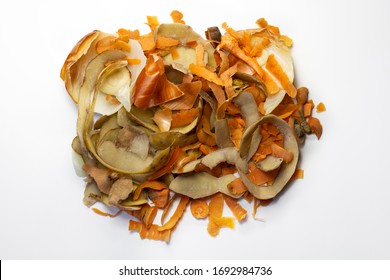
column 171, row 118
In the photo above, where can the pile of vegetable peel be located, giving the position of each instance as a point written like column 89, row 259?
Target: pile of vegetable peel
column 173, row 119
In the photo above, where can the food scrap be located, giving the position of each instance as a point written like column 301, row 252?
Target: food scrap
column 172, row 119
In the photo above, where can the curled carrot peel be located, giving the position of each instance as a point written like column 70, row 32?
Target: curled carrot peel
column 206, row 74
column 237, row 187
column 259, row 177
column 152, row 233
column 238, row 211
column 215, row 212
column 111, row 43
column 216, row 220
column 166, row 43
column 146, row 214
column 177, row 17
column 176, row 215
column 155, row 185
column 274, row 67
column 199, row 208
column 222, row 222
column 105, row 214
column 204, row 133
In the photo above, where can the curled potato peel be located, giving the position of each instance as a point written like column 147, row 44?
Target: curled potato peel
column 286, row 169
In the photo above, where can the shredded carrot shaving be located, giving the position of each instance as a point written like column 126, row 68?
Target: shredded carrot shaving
column 236, row 187
column 153, row 22
column 226, row 78
column 321, row 107
column 231, row 31
column 203, row 131
column 152, row 233
column 224, row 65
column 238, row 211
column 177, row 17
column 174, row 53
column 274, row 67
column 146, row 214
column 105, row 214
column 199, row 208
column 221, row 222
column 184, row 117
column 212, row 227
column 258, row 95
column 134, row 34
column 261, row 108
column 262, row 23
column 155, row 185
column 205, row 73
column 176, row 215
column 122, row 46
column 192, row 44
column 124, row 34
column 168, row 165
column 226, row 169
column 236, row 128
column 199, row 55
column 270, row 128
column 216, row 205
column 133, row 61
column 246, row 43
column 112, row 99
column 280, row 152
column 284, row 111
column 147, row 42
column 298, row 174
column 163, row 43
column 105, row 44
column 215, row 212
column 185, row 158
column 205, row 149
column 258, row 48
column 259, row 177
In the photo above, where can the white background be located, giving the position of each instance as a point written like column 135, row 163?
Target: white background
column 339, row 211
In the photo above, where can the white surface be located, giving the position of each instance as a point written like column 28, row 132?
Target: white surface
column 339, row 211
